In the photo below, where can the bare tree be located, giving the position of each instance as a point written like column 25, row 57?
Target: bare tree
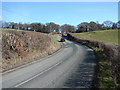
column 108, row 23
column 83, row 27
column 52, row 27
column 67, row 28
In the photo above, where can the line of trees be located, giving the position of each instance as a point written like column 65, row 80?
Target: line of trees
column 53, row 27
column 93, row 26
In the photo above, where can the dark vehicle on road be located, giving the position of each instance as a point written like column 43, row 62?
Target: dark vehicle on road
column 62, row 40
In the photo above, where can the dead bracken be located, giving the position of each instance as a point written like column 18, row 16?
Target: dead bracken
column 21, row 47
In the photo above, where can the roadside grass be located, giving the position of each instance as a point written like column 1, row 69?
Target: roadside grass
column 109, row 36
column 51, row 45
column 54, row 38
column 16, row 59
column 103, row 78
column 104, row 75
column 54, row 41
column 7, row 29
column 34, row 49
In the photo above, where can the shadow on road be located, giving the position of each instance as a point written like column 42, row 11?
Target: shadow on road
column 83, row 75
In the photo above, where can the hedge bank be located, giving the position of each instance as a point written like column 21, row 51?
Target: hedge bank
column 111, row 51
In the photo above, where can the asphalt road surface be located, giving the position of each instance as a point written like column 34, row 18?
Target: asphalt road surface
column 71, row 67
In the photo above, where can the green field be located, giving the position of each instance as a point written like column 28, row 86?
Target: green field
column 109, row 36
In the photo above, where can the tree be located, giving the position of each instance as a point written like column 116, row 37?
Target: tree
column 83, row 27
column 107, row 24
column 56, row 27
column 44, row 29
column 13, row 25
column 38, row 27
column 118, row 24
column 26, row 26
column 67, row 28
column 94, row 26
column 52, row 27
column 20, row 26
column 5, row 25
column 114, row 26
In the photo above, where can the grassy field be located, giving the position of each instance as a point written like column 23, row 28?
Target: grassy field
column 109, row 36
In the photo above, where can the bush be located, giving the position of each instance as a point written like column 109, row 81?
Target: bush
column 111, row 51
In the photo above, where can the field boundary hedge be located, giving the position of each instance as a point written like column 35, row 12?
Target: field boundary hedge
column 111, row 51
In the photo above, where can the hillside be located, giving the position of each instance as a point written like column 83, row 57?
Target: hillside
column 109, row 36
column 21, row 47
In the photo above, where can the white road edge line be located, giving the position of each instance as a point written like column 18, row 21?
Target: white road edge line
column 37, row 75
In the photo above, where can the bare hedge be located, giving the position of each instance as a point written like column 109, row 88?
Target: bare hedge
column 112, row 54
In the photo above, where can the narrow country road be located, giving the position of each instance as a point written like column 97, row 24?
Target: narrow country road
column 71, row 67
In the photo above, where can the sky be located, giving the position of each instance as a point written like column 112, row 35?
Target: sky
column 60, row 0
column 72, row 13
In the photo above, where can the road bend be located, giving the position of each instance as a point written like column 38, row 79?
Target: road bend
column 72, row 66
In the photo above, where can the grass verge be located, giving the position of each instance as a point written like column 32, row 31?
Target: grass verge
column 36, row 48
column 7, row 29
column 103, row 78
column 54, row 41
